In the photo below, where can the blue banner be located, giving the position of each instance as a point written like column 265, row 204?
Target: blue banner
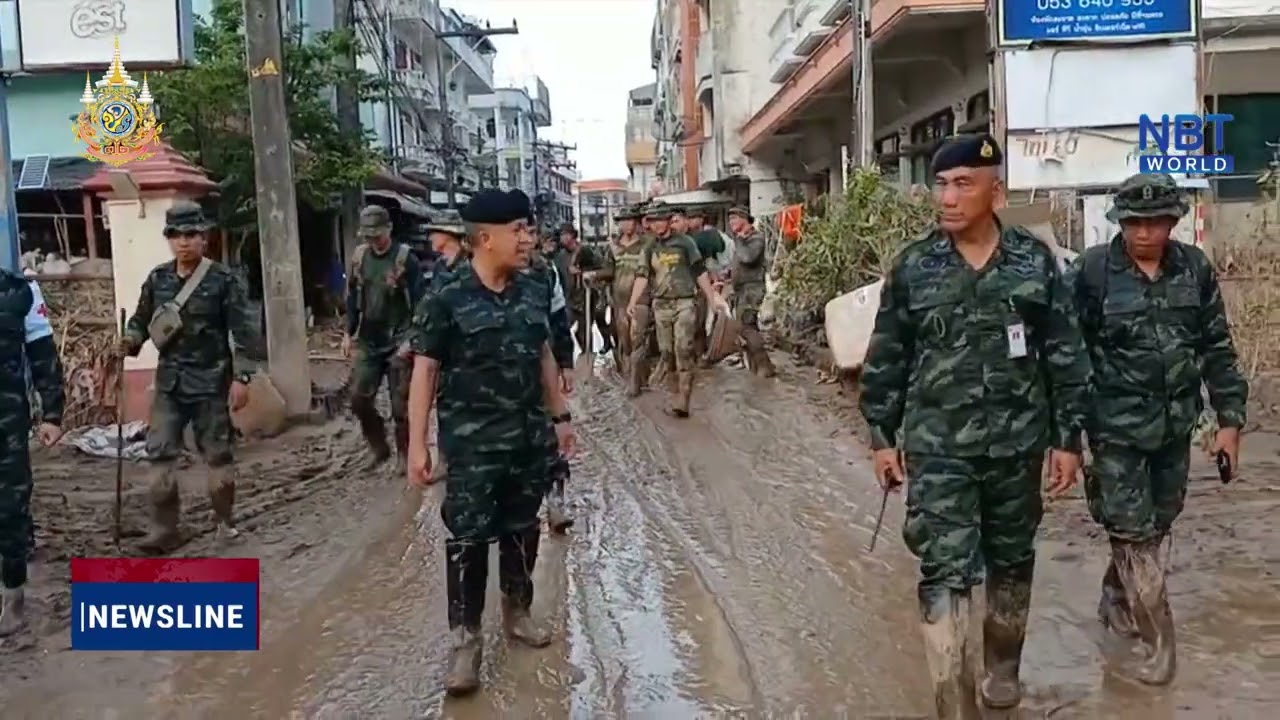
column 1023, row 21
column 179, row 616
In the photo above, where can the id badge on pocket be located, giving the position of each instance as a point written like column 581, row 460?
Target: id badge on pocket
column 1016, row 334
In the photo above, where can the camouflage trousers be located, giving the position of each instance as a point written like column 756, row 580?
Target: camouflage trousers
column 1137, row 494
column 747, row 300
column 210, row 422
column 700, row 326
column 968, row 514
column 675, row 321
column 16, row 529
column 490, row 494
column 631, row 334
column 370, row 368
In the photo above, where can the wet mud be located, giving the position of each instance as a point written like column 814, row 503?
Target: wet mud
column 718, row 568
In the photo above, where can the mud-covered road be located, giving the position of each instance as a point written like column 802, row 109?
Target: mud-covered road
column 718, row 569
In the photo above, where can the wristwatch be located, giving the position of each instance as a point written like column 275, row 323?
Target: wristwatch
column 561, row 418
column 244, row 378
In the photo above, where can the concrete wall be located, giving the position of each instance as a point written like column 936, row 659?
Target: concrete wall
column 740, row 69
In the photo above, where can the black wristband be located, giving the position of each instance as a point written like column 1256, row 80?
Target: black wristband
column 561, row 418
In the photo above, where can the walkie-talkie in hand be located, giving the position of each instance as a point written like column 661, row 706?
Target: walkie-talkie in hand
column 1224, row 466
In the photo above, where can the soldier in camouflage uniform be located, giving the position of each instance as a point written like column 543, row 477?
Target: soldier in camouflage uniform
column 710, row 245
column 748, row 274
column 198, row 374
column 447, row 235
column 483, row 346
column 672, row 272
column 26, row 345
column 975, row 368
column 383, row 288
column 1153, row 320
column 621, row 269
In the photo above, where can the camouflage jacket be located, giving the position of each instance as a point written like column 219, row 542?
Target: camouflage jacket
column 939, row 371
column 26, row 343
column 489, row 346
column 672, row 265
column 622, row 267
column 200, row 360
column 561, row 334
column 748, row 260
column 1152, row 343
column 381, row 297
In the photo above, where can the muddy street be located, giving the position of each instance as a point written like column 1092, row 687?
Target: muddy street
column 718, row 568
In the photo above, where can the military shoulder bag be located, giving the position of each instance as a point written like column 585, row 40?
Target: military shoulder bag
column 166, row 321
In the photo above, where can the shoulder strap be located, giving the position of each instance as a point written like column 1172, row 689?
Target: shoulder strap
column 357, row 262
column 402, row 256
column 193, row 282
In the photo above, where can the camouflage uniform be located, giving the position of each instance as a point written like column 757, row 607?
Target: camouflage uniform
column 558, row 518
column 621, row 268
column 1153, row 341
column 496, row 432
column 672, row 266
column 26, row 343
column 710, row 245
column 974, row 374
column 588, row 259
column 382, row 291
column 748, row 293
column 195, row 371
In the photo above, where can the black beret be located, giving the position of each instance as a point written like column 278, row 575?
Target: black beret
column 495, row 207
column 972, row 150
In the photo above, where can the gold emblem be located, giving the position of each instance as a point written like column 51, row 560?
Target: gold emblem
column 118, row 122
column 987, row 151
column 1148, row 192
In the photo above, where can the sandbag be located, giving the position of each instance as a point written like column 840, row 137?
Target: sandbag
column 850, row 320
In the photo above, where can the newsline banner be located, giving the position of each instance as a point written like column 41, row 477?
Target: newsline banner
column 201, row 604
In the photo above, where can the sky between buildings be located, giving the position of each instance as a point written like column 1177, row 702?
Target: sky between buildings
column 589, row 53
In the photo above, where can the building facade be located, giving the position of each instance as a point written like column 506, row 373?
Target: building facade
column 596, row 203
column 642, row 144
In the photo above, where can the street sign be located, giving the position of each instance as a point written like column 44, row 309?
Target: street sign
column 1028, row 21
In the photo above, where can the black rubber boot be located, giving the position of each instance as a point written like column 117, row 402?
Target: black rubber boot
column 467, row 570
column 1142, row 575
column 373, row 428
column 517, row 556
column 166, row 507
column 1114, row 611
column 945, row 625
column 1003, row 632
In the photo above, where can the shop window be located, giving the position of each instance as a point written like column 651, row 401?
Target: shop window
column 926, row 136
column 977, row 113
column 1256, row 123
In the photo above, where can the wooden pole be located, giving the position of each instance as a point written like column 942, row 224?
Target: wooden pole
column 277, row 207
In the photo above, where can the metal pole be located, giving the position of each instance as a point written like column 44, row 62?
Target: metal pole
column 11, row 252
column 277, row 206
column 446, row 125
column 861, row 141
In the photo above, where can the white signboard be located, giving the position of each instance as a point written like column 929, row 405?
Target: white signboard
column 1080, row 158
column 81, row 34
column 1226, row 9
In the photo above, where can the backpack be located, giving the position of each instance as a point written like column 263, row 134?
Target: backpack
column 1096, row 276
column 357, row 261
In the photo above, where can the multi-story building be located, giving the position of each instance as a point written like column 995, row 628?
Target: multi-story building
column 596, row 203
column 425, row 122
column 642, row 144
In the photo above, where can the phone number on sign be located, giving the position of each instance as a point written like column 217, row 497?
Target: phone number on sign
column 1092, row 4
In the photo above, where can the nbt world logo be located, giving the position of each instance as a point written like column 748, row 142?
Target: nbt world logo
column 1184, row 134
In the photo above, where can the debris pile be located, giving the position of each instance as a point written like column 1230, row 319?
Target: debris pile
column 81, row 310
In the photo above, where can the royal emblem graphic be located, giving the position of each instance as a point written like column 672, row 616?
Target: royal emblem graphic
column 118, row 122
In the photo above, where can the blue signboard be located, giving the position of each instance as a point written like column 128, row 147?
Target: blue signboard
column 1027, row 21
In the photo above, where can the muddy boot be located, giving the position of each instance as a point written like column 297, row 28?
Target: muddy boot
column 517, row 555
column 467, row 569
column 684, row 389
column 757, row 356
column 945, row 625
column 166, row 506
column 1113, row 607
column 1142, row 575
column 558, row 519
column 636, row 373
column 1003, row 630
column 13, row 617
column 402, row 444
column 373, row 429
column 222, row 499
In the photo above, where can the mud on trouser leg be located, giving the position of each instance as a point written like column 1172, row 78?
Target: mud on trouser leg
column 665, row 313
column 558, row 518
column 211, row 422
column 169, row 418
column 684, row 322
column 520, row 493
column 15, row 543
column 637, row 367
column 398, row 374
column 366, row 378
column 466, row 574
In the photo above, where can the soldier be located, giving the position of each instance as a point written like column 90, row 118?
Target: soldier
column 582, row 258
column 1153, row 319
column 621, row 269
column 25, row 346
column 447, row 235
column 383, row 288
column 749, row 286
column 483, row 351
column 975, row 367
column 188, row 307
column 677, row 272
column 710, row 245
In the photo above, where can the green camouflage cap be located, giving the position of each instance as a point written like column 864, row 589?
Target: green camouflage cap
column 1148, row 196
column 448, row 222
column 374, row 221
column 185, row 217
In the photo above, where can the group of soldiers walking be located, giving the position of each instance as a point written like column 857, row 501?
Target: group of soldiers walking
column 986, row 353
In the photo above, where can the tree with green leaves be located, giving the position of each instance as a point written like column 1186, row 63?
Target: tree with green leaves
column 205, row 111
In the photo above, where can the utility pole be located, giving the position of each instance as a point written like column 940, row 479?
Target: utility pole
column 348, row 107
column 10, row 245
column 861, row 140
column 442, row 77
column 277, row 206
